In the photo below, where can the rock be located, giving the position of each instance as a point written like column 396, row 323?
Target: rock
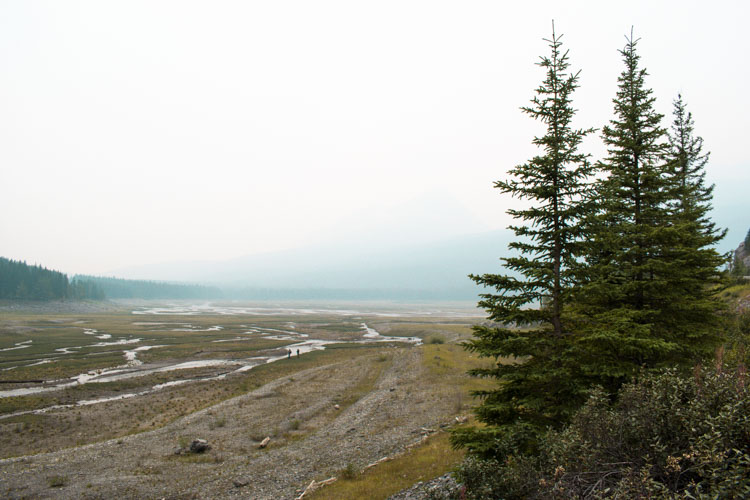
column 440, row 488
column 199, row 446
column 742, row 254
column 178, row 450
column 265, row 442
column 239, row 483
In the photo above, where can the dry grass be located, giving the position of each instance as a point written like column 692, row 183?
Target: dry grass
column 430, row 460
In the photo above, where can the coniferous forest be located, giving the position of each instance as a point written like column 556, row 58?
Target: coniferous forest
column 620, row 370
column 19, row 280
column 116, row 288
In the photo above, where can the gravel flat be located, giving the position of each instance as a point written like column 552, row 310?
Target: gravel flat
column 383, row 401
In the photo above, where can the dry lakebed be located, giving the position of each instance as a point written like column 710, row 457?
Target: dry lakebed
column 104, row 403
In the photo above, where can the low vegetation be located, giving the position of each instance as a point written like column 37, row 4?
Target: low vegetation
column 433, row 458
column 667, row 436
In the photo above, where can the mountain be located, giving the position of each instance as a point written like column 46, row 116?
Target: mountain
column 432, row 270
column 115, row 288
column 417, row 248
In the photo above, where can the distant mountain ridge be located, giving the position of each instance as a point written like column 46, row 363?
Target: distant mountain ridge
column 432, row 270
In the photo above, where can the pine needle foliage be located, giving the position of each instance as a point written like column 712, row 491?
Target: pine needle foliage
column 694, row 251
column 527, row 310
column 646, row 299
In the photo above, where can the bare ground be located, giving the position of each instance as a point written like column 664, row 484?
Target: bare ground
column 385, row 400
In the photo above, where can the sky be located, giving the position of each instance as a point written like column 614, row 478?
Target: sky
column 141, row 132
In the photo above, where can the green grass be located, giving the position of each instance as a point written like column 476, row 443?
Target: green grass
column 450, row 332
column 738, row 291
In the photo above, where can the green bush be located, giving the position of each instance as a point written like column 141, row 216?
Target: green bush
column 57, row 481
column 488, row 479
column 350, row 472
column 436, row 339
column 666, row 436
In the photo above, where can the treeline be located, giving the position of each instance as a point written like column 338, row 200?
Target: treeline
column 116, row 288
column 19, row 280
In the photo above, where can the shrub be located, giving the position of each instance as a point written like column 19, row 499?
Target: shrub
column 349, row 472
column 218, row 422
column 183, row 442
column 57, row 481
column 666, row 436
column 488, row 479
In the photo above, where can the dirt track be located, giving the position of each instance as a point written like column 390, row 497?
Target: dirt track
column 384, row 402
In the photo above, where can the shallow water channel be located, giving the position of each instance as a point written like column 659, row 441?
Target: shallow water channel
column 301, row 343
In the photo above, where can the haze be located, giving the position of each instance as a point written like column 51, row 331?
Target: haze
column 139, row 133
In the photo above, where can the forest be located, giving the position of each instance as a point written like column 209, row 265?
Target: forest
column 21, row 281
column 117, row 288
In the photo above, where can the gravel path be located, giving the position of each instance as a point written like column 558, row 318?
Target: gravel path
column 383, row 405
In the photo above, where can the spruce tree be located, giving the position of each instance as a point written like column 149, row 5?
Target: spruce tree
column 640, row 306
column 527, row 311
column 697, row 234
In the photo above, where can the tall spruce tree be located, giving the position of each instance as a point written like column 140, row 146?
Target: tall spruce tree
column 640, row 270
column 697, row 234
column 528, row 309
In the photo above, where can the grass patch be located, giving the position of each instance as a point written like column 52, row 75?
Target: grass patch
column 450, row 332
column 57, row 481
column 432, row 459
column 364, row 387
column 447, row 366
column 736, row 291
column 451, row 362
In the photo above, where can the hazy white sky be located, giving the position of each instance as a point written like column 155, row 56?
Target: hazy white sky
column 148, row 131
